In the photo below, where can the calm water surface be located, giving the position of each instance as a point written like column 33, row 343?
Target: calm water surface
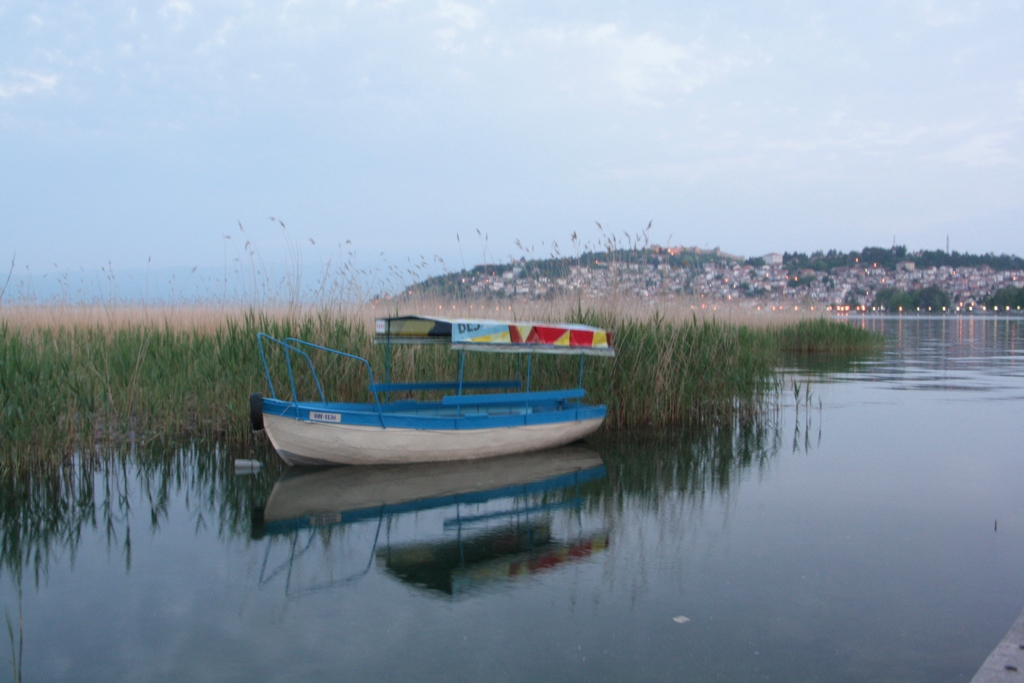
column 871, row 528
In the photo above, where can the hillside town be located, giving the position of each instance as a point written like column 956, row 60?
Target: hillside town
column 774, row 279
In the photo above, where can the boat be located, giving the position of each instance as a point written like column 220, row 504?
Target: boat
column 508, row 417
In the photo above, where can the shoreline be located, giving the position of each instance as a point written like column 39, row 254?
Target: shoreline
column 1005, row 662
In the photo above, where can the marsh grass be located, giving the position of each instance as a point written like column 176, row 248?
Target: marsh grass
column 70, row 380
column 823, row 337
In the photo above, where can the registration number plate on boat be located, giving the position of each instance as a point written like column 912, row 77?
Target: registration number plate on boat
column 324, row 417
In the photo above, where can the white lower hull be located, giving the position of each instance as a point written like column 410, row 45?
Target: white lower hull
column 312, row 443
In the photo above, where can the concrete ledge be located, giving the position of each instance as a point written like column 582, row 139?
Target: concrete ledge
column 1006, row 663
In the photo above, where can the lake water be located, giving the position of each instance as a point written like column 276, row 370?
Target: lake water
column 869, row 528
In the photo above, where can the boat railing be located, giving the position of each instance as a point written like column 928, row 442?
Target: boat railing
column 291, row 345
column 378, row 387
column 298, row 347
column 366, row 364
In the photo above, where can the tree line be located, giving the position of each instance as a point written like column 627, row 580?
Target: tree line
column 888, row 258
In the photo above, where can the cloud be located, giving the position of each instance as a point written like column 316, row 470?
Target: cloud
column 27, row 83
column 220, row 37
column 645, row 67
column 840, row 131
column 463, row 16
column 177, row 11
column 460, row 18
column 646, row 62
column 446, row 39
column 937, row 14
column 985, row 149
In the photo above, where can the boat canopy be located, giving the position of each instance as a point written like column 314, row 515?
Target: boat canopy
column 496, row 336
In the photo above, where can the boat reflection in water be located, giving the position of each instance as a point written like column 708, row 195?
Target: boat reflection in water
column 488, row 521
column 458, row 566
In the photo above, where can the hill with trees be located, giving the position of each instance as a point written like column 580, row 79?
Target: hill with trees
column 826, row 261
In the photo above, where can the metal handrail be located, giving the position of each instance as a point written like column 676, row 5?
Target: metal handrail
column 369, row 370
column 289, row 345
column 260, row 336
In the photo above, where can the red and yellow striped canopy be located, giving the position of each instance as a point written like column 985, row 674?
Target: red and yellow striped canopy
column 496, row 335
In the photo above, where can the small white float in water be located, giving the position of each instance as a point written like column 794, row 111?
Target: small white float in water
column 247, row 466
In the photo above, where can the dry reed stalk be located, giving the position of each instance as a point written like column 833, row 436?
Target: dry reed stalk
column 750, row 313
column 209, row 317
column 180, row 318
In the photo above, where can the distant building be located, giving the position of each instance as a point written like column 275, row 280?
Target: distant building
column 773, row 259
column 671, row 251
column 905, row 265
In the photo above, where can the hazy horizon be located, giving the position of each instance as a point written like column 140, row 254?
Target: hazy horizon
column 239, row 279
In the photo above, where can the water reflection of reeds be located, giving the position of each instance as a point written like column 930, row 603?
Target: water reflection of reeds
column 693, row 463
column 45, row 512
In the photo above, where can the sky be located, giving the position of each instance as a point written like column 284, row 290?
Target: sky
column 451, row 132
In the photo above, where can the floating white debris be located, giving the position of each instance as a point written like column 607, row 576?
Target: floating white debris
column 247, row 466
column 680, row 619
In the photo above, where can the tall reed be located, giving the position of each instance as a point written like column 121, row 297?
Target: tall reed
column 64, row 388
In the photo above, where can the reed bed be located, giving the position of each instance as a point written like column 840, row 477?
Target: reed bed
column 821, row 336
column 70, row 380
column 209, row 316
